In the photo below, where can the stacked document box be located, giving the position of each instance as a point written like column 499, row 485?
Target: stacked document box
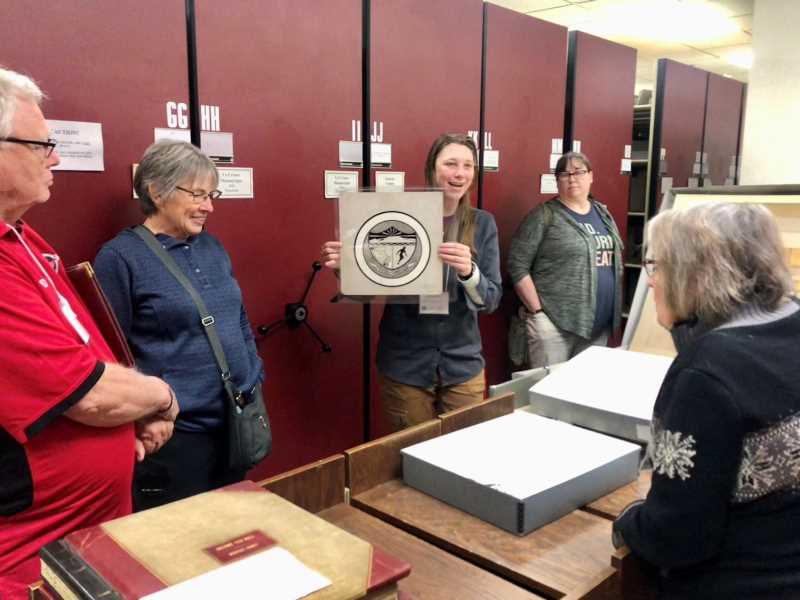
column 605, row 389
column 520, row 471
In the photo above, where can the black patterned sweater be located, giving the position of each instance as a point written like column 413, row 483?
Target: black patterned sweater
column 722, row 518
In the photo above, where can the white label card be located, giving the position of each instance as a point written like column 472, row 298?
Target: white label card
column 381, row 154
column 553, row 160
column 438, row 304
column 350, row 154
column 390, row 181
column 337, row 182
column 177, row 135
column 557, row 146
column 548, row 184
column 217, row 144
column 627, row 153
column 236, row 182
column 625, row 165
column 576, row 145
column 491, row 160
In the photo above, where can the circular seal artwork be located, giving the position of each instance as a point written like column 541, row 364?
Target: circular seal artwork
column 392, row 249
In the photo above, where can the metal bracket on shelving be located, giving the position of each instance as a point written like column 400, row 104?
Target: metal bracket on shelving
column 296, row 314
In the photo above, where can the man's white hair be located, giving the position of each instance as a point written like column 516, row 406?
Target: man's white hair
column 15, row 87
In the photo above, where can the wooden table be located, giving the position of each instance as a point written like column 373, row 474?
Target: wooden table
column 555, row 560
column 610, row 505
column 435, row 573
column 567, row 558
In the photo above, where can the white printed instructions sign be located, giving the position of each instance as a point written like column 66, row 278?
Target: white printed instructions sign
column 80, row 145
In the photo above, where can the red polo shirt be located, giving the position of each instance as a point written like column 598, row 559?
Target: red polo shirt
column 56, row 475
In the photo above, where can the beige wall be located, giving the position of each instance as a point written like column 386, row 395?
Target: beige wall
column 772, row 114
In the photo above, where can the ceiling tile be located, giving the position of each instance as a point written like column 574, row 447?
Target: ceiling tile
column 604, row 5
column 568, row 16
column 745, row 23
column 738, row 37
column 734, row 8
column 529, row 5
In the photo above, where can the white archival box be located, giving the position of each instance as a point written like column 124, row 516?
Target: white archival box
column 605, row 389
column 520, row 471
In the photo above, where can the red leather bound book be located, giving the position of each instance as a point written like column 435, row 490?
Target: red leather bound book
column 85, row 282
column 146, row 552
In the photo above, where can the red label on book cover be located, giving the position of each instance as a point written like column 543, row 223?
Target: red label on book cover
column 241, row 546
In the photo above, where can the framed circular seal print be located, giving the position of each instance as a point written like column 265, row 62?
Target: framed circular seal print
column 392, row 248
column 390, row 242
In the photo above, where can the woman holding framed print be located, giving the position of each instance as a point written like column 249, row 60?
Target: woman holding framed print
column 429, row 352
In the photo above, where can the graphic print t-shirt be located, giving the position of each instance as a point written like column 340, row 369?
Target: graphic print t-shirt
column 604, row 265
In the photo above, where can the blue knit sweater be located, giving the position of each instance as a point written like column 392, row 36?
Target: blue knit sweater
column 163, row 327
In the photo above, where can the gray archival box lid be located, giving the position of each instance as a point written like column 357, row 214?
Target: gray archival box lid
column 605, row 389
column 520, row 471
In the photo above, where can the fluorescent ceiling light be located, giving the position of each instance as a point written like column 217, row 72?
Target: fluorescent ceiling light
column 741, row 58
column 668, row 21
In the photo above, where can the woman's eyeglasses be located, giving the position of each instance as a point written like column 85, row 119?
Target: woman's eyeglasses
column 650, row 266
column 564, row 175
column 198, row 197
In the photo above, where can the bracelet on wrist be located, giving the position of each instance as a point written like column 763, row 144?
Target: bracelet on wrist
column 468, row 275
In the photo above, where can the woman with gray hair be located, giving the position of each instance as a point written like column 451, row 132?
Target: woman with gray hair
column 176, row 185
column 723, row 512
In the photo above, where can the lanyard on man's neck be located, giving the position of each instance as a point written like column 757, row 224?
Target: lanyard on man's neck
column 63, row 303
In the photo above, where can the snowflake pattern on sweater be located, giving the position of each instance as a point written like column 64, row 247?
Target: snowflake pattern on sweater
column 671, row 452
column 770, row 461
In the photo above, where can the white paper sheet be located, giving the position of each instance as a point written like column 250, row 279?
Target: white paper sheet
column 275, row 570
column 548, row 184
column 80, row 145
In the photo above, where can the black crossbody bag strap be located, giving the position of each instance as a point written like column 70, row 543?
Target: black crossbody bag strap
column 206, row 319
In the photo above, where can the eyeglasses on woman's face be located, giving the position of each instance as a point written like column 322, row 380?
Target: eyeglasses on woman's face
column 577, row 173
column 650, row 266
column 198, row 196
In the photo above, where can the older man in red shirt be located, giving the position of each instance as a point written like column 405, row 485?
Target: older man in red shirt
column 72, row 422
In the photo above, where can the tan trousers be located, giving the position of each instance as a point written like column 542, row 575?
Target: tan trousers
column 407, row 405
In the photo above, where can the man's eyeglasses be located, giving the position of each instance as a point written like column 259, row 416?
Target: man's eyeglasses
column 43, row 148
column 198, row 197
column 650, row 266
column 564, row 175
